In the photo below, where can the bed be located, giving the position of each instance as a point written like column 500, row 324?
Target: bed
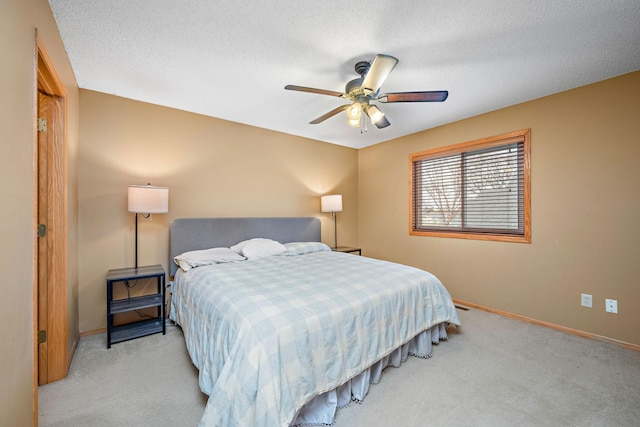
column 283, row 330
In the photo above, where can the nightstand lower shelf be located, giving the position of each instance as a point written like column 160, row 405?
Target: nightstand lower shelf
column 135, row 303
column 133, row 330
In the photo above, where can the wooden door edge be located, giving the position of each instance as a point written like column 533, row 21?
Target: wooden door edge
column 46, row 78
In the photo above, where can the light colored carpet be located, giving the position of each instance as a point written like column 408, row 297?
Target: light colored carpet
column 496, row 372
column 149, row 381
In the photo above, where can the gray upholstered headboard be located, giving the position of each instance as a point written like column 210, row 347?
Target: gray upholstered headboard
column 189, row 234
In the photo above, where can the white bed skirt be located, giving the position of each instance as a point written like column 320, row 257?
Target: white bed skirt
column 322, row 409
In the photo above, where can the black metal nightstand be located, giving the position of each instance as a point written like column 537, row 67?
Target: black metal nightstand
column 141, row 328
column 347, row 249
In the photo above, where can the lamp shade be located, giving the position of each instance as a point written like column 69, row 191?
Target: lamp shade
column 148, row 199
column 331, row 203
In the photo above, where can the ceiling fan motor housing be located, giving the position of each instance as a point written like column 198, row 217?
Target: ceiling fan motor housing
column 354, row 87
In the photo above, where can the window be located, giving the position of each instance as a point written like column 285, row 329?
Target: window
column 473, row 190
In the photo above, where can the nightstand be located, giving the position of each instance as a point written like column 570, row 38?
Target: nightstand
column 347, row 249
column 140, row 328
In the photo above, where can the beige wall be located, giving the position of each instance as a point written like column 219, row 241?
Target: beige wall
column 212, row 168
column 19, row 20
column 585, row 211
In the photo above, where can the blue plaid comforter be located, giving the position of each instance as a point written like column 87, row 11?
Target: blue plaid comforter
column 270, row 334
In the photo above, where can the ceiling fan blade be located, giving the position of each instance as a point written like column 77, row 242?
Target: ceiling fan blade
column 432, row 96
column 382, row 123
column 331, row 113
column 380, row 68
column 314, row 90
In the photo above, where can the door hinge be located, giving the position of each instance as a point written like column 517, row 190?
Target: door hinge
column 42, row 125
column 42, row 336
column 42, row 230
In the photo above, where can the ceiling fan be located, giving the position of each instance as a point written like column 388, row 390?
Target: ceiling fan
column 366, row 88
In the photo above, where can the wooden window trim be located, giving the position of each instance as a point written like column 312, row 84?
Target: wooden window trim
column 521, row 135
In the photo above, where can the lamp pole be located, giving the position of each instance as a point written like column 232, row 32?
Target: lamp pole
column 335, row 230
column 136, row 240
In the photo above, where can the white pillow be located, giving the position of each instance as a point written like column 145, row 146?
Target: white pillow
column 192, row 259
column 301, row 248
column 238, row 247
column 260, row 248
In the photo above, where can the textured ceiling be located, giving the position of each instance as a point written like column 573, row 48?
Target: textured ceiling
column 232, row 59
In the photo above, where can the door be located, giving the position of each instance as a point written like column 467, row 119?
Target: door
column 50, row 288
column 43, row 260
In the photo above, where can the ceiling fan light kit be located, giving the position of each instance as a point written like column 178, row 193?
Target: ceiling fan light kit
column 356, row 123
column 366, row 88
column 354, row 111
column 374, row 113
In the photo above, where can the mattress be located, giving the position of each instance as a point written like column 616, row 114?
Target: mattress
column 271, row 334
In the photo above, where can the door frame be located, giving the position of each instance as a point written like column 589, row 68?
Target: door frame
column 48, row 81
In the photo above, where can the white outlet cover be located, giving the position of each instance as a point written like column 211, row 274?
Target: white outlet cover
column 611, row 305
column 586, row 300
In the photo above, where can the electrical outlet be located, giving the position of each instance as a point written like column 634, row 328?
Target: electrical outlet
column 586, row 300
column 611, row 305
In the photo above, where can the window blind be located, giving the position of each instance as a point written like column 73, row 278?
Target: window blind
column 477, row 189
